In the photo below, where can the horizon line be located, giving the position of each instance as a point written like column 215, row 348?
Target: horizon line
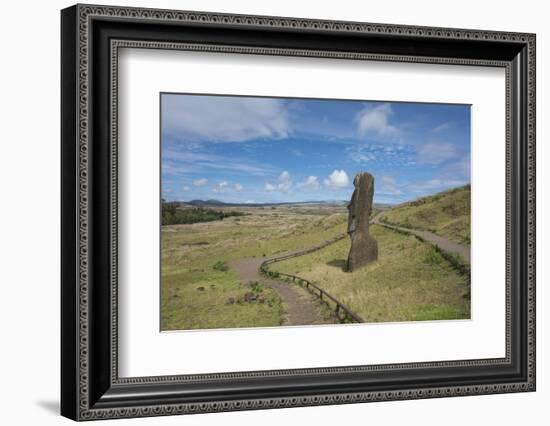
column 313, row 201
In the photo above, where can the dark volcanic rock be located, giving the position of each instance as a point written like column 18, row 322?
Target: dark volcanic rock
column 364, row 248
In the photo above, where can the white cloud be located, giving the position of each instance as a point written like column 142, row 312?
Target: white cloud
column 284, row 181
column 284, row 176
column 224, row 118
column 200, row 182
column 434, row 185
column 388, row 153
column 388, row 186
column 376, row 120
column 435, row 153
column 441, row 127
column 250, row 202
column 178, row 163
column 337, row 179
column 311, row 182
column 364, row 157
column 459, row 169
column 238, row 187
column 283, row 184
column 220, row 186
column 187, row 188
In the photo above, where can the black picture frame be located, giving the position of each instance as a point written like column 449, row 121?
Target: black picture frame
column 90, row 386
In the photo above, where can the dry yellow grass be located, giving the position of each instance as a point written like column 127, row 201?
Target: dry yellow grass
column 194, row 295
column 446, row 213
column 410, row 281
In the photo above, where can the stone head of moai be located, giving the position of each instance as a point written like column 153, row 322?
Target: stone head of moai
column 364, row 248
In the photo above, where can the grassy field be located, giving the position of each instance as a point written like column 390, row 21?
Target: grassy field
column 446, row 214
column 409, row 282
column 195, row 294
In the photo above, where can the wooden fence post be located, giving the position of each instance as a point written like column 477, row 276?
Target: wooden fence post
column 339, row 307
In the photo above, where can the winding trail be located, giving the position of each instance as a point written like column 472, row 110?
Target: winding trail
column 302, row 308
column 442, row 243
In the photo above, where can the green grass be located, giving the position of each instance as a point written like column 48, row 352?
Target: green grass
column 410, row 281
column 173, row 214
column 199, row 290
column 446, row 214
column 256, row 287
column 213, row 299
column 220, row 266
column 198, row 255
column 432, row 257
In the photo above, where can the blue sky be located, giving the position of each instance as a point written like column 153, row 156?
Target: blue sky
column 257, row 150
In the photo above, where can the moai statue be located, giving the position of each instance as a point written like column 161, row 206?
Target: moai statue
column 364, row 248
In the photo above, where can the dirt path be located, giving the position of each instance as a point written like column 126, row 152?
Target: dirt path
column 302, row 307
column 442, row 243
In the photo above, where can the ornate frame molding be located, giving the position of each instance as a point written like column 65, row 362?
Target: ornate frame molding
column 80, row 18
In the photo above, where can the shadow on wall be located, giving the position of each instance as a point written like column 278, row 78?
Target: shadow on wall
column 50, row 406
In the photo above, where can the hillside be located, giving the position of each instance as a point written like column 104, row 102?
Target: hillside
column 446, row 214
column 410, row 281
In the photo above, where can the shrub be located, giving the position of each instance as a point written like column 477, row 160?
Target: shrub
column 255, row 286
column 173, row 214
column 432, row 257
column 221, row 266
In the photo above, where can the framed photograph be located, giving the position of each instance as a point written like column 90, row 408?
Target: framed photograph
column 263, row 212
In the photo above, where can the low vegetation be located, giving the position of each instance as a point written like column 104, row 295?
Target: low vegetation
column 220, row 266
column 446, row 214
column 173, row 214
column 411, row 280
column 199, row 289
column 216, row 299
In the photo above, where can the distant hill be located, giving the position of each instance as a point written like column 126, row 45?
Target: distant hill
column 206, row 203
column 446, row 213
column 217, row 204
